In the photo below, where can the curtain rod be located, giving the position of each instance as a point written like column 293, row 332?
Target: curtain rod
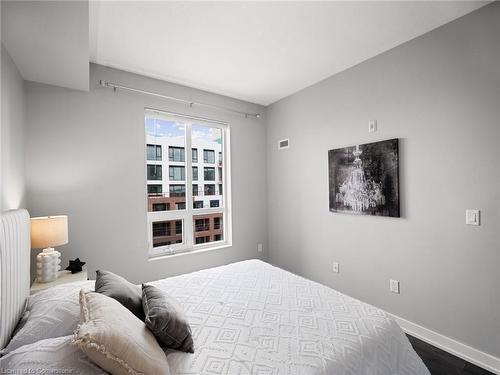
column 116, row 86
column 176, row 114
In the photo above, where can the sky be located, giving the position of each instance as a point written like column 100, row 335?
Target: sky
column 173, row 129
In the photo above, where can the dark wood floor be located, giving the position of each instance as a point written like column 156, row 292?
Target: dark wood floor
column 440, row 362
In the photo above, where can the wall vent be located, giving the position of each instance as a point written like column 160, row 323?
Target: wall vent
column 284, row 143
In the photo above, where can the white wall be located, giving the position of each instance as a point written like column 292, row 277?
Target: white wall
column 440, row 95
column 48, row 40
column 85, row 158
column 12, row 135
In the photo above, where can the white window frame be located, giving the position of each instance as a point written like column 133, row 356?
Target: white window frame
column 188, row 243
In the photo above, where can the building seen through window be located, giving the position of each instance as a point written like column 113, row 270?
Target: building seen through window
column 166, row 192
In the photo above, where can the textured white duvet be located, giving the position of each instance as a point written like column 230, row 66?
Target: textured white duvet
column 253, row 318
column 247, row 318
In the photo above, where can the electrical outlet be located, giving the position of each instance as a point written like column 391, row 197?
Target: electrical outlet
column 372, row 126
column 259, row 247
column 394, row 286
column 335, row 267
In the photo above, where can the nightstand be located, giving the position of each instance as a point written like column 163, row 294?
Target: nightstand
column 63, row 277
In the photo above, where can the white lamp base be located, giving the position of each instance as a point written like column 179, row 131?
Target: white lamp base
column 48, row 265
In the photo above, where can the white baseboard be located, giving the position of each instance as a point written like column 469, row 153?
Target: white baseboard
column 477, row 357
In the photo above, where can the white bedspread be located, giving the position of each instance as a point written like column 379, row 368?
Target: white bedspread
column 253, row 318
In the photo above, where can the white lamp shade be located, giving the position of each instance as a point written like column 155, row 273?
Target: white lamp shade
column 49, row 231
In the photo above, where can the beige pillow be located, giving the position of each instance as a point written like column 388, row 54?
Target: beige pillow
column 115, row 339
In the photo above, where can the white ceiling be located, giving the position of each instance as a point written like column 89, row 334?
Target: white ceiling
column 255, row 51
column 48, row 41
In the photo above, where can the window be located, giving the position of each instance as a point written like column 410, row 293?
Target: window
column 209, row 189
column 160, row 206
column 200, row 240
column 175, row 153
column 177, row 190
column 153, row 152
column 163, row 233
column 154, row 172
column 176, row 173
column 154, row 189
column 209, row 174
column 201, row 225
column 180, row 219
column 209, row 156
column 217, row 222
column 161, row 229
column 178, row 227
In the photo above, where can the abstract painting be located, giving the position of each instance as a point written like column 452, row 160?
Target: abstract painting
column 364, row 179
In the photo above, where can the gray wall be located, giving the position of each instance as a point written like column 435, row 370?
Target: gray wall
column 12, row 135
column 440, row 95
column 85, row 158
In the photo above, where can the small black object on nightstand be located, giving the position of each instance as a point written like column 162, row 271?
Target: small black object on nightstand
column 75, row 265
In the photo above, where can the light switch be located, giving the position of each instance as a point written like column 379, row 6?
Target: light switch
column 394, row 286
column 472, row 217
column 372, row 126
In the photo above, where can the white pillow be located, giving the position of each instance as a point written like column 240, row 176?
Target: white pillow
column 116, row 339
column 52, row 312
column 50, row 356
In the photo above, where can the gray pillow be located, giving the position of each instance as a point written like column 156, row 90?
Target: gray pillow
column 114, row 286
column 166, row 319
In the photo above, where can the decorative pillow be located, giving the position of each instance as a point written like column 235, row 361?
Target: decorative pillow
column 49, row 313
column 114, row 286
column 49, row 356
column 115, row 339
column 166, row 319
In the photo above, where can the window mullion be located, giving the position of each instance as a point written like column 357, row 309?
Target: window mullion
column 226, row 183
column 188, row 223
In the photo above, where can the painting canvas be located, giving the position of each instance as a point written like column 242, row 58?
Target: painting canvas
column 364, row 179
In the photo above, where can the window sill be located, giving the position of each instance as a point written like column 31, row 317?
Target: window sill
column 197, row 251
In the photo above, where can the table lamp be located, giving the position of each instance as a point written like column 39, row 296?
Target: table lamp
column 47, row 232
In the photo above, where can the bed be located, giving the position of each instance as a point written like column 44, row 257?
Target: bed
column 253, row 318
